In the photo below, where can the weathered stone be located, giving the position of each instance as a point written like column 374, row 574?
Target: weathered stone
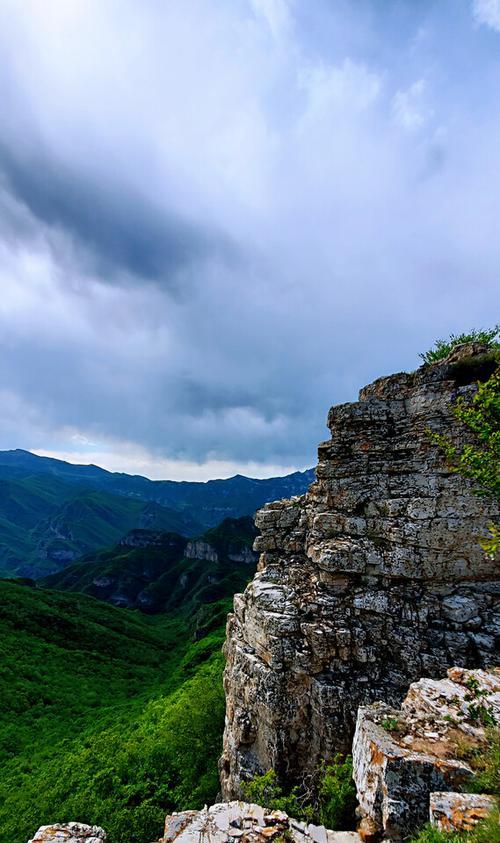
column 371, row 580
column 199, row 549
column 402, row 756
column 229, row 821
column 459, row 811
column 69, row 833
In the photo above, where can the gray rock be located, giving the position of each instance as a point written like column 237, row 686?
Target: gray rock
column 248, row 823
column 369, row 581
column 69, row 833
column 400, row 757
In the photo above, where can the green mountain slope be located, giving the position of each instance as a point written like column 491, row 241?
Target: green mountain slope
column 209, row 503
column 157, row 572
column 46, row 523
column 106, row 715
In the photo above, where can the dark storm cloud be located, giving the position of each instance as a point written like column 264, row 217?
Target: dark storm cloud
column 289, row 199
column 120, row 230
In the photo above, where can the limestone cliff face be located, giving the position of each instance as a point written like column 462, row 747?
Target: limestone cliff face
column 369, row 581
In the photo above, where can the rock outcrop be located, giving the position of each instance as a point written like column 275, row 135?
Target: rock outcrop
column 200, row 549
column 69, row 833
column 370, row 580
column 459, row 811
column 403, row 756
column 247, row 823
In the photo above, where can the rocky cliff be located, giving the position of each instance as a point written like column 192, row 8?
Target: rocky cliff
column 367, row 582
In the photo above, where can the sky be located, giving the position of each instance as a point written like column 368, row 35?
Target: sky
column 220, row 217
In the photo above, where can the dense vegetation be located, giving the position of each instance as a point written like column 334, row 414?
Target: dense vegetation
column 442, row 348
column 328, row 797
column 106, row 715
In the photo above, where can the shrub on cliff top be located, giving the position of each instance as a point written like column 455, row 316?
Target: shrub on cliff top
column 328, row 797
column 442, row 348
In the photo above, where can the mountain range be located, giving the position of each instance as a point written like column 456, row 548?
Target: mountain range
column 158, row 572
column 53, row 512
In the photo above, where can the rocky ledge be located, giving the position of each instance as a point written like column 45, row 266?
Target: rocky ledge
column 229, row 822
column 407, row 761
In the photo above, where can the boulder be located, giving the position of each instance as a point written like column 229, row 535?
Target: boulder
column 69, row 833
column 459, row 811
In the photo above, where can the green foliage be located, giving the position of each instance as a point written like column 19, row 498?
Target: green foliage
column 337, row 795
column 480, row 460
column 491, row 544
column 390, row 724
column 442, row 348
column 106, row 716
column 486, row 765
column 487, row 831
column 265, row 790
column 329, row 798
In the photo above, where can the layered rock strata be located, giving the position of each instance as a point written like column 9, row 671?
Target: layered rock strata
column 403, row 757
column 373, row 578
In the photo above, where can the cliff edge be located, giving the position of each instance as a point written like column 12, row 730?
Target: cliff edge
column 369, row 581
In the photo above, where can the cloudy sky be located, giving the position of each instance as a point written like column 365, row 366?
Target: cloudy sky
column 219, row 217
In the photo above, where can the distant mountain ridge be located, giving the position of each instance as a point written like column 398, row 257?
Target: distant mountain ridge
column 53, row 512
column 162, row 571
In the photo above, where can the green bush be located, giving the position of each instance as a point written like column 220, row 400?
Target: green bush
column 486, row 765
column 442, row 348
column 487, row 831
column 337, row 795
column 328, row 798
column 265, row 790
column 479, row 460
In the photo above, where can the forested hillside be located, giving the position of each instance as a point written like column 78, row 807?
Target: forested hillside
column 158, row 572
column 46, row 523
column 106, row 714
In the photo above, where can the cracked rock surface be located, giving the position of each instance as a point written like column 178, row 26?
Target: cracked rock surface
column 406, row 762
column 459, row 811
column 243, row 822
column 369, row 581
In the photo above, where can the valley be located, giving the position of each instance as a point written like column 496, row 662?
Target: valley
column 53, row 512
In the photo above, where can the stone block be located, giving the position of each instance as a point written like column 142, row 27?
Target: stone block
column 459, row 811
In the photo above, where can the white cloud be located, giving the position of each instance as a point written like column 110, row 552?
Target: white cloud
column 134, row 460
column 277, row 15
column 410, row 109
column 487, row 12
